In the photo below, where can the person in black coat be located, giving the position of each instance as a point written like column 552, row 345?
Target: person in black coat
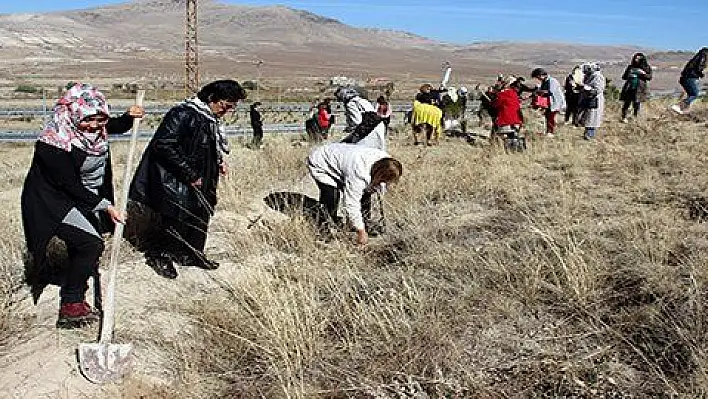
column 691, row 73
column 178, row 176
column 573, row 83
column 256, row 124
column 68, row 193
column 636, row 86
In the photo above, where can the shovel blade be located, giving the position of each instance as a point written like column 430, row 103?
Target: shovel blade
column 104, row 363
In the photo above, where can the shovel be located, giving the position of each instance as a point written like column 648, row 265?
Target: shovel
column 104, row 361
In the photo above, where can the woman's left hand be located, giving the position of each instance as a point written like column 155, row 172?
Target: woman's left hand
column 116, row 215
column 224, row 168
column 362, row 238
column 136, row 111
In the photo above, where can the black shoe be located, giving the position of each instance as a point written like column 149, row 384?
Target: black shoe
column 191, row 260
column 163, row 266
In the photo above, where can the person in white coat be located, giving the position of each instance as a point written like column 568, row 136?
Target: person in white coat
column 355, row 172
column 356, row 110
column 592, row 99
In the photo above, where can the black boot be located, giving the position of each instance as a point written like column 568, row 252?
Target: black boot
column 162, row 265
column 197, row 261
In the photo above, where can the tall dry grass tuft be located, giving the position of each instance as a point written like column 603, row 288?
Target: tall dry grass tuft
column 15, row 160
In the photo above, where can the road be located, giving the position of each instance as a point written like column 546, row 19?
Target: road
column 143, row 134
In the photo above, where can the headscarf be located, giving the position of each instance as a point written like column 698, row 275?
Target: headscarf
column 509, row 80
column 346, row 94
column 80, row 101
column 590, row 68
column 222, row 142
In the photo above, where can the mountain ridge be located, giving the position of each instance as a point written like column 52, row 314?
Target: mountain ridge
column 147, row 36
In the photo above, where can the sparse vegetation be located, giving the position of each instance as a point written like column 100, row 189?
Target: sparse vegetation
column 574, row 269
column 26, row 88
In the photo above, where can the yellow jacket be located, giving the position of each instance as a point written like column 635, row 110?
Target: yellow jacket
column 427, row 113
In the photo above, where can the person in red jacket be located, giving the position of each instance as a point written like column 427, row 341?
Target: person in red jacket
column 323, row 117
column 508, row 108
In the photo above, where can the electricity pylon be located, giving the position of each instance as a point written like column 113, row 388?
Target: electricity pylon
column 191, row 53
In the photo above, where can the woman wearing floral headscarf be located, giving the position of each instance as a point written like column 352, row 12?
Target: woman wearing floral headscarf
column 68, row 194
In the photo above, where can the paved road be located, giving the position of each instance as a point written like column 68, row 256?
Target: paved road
column 21, row 136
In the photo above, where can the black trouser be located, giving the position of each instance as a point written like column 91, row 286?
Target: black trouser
column 625, row 108
column 329, row 198
column 175, row 238
column 84, row 251
column 257, row 135
column 572, row 110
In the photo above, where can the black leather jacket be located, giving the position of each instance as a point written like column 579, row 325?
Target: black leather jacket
column 694, row 68
column 183, row 149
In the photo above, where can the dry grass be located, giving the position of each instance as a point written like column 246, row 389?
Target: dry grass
column 575, row 269
column 15, row 161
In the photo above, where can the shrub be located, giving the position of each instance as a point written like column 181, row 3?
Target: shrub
column 26, row 88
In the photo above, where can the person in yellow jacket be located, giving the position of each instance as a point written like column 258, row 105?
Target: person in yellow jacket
column 426, row 117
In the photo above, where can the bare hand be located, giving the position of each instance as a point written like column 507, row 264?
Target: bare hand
column 116, row 215
column 197, row 183
column 136, row 111
column 361, row 237
column 224, row 168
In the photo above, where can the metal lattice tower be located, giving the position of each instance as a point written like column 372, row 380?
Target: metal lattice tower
column 191, row 77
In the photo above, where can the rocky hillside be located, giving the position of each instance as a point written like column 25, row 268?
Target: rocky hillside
column 146, row 26
column 146, row 38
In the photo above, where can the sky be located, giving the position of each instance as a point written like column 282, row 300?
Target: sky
column 656, row 24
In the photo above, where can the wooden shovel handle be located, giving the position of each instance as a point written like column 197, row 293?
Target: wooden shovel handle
column 109, row 304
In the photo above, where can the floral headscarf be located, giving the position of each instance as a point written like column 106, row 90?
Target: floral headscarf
column 79, row 101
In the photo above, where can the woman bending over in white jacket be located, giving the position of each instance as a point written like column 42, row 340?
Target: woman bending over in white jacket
column 355, row 172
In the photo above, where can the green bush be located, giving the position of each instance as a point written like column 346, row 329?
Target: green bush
column 26, row 88
column 611, row 91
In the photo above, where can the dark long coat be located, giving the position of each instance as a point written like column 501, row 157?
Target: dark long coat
column 641, row 93
column 183, row 149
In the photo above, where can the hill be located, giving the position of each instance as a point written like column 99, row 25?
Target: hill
column 149, row 34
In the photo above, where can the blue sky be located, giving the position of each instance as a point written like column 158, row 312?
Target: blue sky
column 660, row 24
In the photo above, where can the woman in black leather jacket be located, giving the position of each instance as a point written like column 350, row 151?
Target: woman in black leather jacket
column 179, row 173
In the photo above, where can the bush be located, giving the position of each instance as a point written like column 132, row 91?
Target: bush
column 26, row 88
column 249, row 85
column 611, row 91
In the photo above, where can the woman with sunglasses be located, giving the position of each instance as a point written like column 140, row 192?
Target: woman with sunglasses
column 68, row 193
column 178, row 175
